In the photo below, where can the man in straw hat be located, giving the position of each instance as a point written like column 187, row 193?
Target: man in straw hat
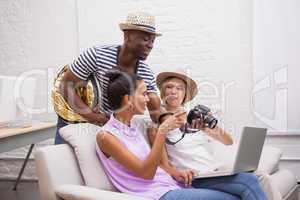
column 139, row 35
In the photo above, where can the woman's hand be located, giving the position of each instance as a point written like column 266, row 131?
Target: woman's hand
column 199, row 123
column 183, row 176
column 172, row 122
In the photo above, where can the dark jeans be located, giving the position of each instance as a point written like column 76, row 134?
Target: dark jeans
column 60, row 123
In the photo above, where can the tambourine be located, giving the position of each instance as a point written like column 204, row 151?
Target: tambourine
column 88, row 93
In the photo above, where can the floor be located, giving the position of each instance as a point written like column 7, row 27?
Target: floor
column 27, row 190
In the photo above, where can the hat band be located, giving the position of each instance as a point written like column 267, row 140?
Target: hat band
column 149, row 28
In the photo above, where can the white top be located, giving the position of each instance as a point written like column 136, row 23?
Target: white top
column 194, row 152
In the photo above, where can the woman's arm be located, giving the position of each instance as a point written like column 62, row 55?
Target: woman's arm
column 179, row 175
column 146, row 169
column 216, row 133
column 219, row 134
column 164, row 162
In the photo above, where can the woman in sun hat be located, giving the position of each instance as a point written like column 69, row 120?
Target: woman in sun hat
column 184, row 157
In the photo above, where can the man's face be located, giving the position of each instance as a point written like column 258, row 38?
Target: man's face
column 140, row 43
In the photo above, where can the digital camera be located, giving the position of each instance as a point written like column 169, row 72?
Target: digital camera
column 202, row 112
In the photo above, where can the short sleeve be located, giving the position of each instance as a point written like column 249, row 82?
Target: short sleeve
column 151, row 86
column 85, row 64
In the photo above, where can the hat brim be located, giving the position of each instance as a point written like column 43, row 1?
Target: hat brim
column 190, row 83
column 125, row 26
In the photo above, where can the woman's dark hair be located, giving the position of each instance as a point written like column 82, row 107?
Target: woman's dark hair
column 119, row 85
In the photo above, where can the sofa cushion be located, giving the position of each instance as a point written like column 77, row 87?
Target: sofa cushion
column 269, row 160
column 82, row 137
column 77, row 192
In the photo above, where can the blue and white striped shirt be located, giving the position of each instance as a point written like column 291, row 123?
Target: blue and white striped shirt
column 97, row 60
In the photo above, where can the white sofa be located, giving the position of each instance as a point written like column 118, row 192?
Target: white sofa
column 66, row 172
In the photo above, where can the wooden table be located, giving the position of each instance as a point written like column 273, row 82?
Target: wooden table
column 13, row 138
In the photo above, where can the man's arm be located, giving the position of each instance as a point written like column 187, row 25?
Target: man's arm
column 67, row 89
column 154, row 106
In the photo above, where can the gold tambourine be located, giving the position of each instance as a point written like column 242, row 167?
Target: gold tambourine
column 88, row 94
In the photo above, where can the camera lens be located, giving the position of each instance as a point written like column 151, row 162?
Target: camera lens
column 211, row 121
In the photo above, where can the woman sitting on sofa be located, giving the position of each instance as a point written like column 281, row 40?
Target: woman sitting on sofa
column 127, row 159
column 184, row 157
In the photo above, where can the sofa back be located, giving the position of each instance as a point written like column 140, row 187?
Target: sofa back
column 82, row 138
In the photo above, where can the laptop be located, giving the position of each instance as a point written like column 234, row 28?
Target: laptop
column 248, row 154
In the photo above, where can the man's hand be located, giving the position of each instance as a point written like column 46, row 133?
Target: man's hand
column 67, row 89
column 96, row 118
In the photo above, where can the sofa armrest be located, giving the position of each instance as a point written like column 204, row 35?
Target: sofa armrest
column 56, row 165
column 285, row 182
column 77, row 192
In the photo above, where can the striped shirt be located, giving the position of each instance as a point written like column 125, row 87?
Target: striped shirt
column 96, row 61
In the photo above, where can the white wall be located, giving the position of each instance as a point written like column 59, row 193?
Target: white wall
column 276, row 68
column 276, row 64
column 36, row 36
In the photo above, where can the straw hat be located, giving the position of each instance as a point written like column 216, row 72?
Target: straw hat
column 191, row 85
column 141, row 21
